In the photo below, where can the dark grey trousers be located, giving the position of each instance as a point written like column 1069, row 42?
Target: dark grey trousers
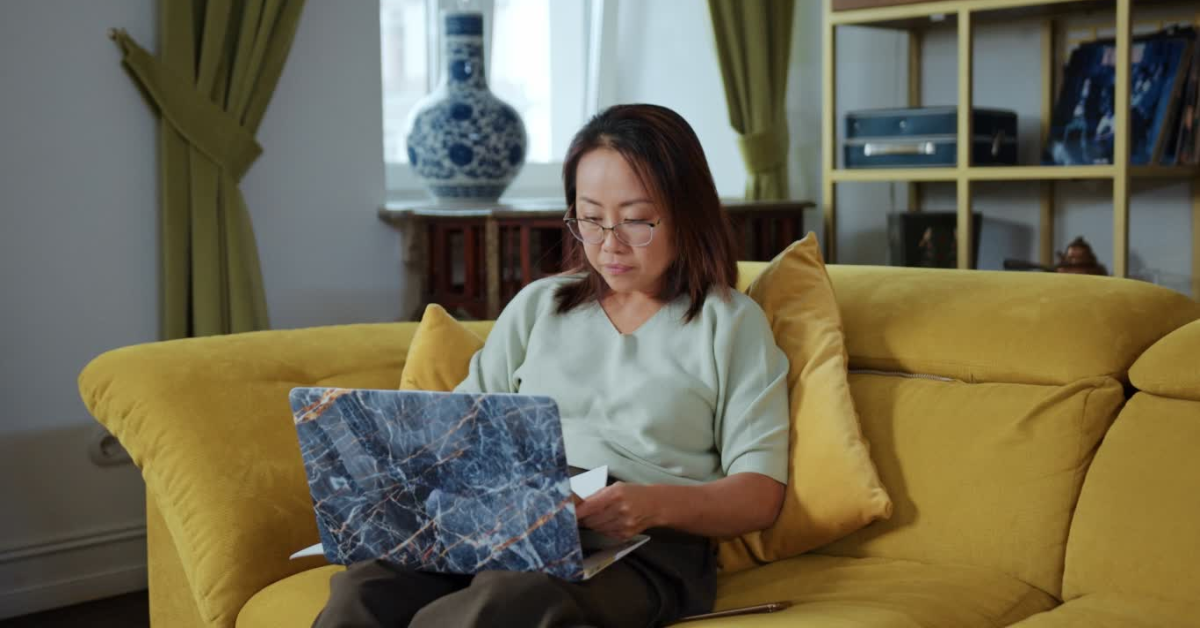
column 672, row 575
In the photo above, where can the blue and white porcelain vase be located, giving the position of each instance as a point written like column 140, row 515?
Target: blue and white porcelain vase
column 464, row 143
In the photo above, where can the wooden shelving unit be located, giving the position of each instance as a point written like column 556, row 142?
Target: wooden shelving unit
column 963, row 15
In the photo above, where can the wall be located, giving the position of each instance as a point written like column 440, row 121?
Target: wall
column 77, row 259
column 78, row 256
column 326, row 257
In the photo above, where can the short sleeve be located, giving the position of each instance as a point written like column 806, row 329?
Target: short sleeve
column 752, row 417
column 493, row 367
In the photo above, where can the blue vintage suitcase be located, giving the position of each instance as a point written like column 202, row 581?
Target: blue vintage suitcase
column 927, row 136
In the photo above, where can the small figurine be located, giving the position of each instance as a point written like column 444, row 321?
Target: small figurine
column 1079, row 259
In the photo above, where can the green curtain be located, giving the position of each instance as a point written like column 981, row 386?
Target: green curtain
column 754, row 39
column 218, row 65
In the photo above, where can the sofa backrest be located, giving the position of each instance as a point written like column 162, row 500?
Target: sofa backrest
column 994, row 326
column 1136, row 530
column 984, row 396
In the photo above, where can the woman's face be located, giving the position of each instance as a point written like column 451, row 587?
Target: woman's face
column 609, row 192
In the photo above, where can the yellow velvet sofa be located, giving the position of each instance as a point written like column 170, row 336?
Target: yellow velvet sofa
column 1039, row 436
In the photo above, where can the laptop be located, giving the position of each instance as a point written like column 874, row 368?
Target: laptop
column 445, row 482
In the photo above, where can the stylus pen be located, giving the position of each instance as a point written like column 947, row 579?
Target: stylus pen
column 770, row 607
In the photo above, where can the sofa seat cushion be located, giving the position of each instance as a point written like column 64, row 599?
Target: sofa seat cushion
column 1106, row 610
column 825, row 591
column 293, row 601
column 879, row 592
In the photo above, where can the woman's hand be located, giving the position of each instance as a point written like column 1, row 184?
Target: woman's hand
column 620, row 510
column 740, row 503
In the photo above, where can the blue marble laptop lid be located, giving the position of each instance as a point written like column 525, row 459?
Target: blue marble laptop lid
column 452, row 483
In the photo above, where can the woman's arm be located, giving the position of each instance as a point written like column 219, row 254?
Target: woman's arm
column 740, row 503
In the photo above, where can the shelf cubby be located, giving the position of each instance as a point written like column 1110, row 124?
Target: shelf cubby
column 963, row 16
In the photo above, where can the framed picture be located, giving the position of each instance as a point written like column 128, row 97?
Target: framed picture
column 1082, row 124
column 1182, row 150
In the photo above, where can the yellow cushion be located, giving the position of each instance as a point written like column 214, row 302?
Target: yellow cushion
column 1136, row 529
column 981, row 474
column 293, row 601
column 996, row 326
column 1116, row 611
column 440, row 353
column 825, row 590
column 1170, row 368
column 833, row 488
column 748, row 272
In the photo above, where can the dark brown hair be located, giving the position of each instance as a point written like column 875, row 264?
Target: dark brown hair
column 664, row 152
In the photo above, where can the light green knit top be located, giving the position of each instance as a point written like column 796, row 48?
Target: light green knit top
column 670, row 403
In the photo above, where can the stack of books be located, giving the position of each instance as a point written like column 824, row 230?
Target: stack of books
column 1164, row 99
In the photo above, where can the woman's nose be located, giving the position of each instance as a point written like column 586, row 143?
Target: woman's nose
column 611, row 242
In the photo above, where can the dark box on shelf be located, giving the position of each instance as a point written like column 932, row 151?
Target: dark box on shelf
column 927, row 136
column 929, row 239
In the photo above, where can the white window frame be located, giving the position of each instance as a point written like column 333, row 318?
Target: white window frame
column 594, row 84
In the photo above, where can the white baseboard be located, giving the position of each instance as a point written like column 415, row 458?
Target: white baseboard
column 71, row 570
column 72, row 591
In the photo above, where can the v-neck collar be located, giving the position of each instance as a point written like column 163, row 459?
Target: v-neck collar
column 608, row 322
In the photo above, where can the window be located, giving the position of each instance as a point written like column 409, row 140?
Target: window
column 538, row 61
column 405, row 69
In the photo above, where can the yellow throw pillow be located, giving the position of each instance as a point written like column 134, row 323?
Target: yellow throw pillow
column 833, row 486
column 440, row 354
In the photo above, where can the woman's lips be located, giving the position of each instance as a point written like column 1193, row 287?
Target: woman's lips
column 617, row 269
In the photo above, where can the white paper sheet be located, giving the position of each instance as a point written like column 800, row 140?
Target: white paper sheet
column 315, row 550
column 587, row 483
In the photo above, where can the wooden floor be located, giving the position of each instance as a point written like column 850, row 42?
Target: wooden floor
column 131, row 610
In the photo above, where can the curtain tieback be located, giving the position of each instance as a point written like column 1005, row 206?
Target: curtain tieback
column 207, row 127
column 765, row 150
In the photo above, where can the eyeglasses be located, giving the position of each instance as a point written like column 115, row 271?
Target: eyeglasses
column 636, row 233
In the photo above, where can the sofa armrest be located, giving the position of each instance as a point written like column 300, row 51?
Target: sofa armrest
column 208, row 423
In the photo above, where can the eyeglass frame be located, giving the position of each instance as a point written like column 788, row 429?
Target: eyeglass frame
column 606, row 230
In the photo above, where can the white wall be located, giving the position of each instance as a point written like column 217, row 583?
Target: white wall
column 803, row 103
column 78, row 256
column 314, row 193
column 77, row 259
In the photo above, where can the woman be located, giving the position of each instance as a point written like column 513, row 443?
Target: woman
column 661, row 370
